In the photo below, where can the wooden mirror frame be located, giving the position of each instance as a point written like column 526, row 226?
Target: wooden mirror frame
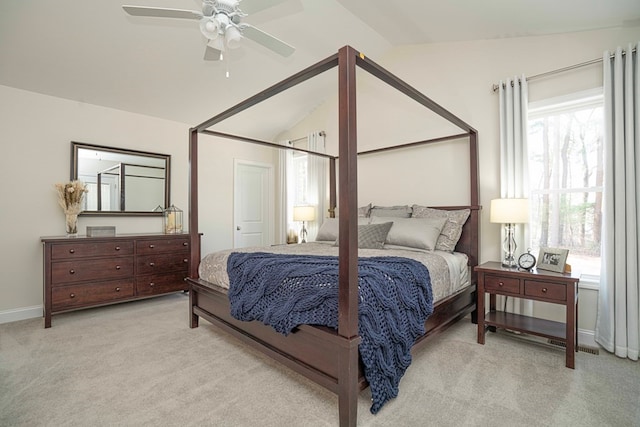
column 75, row 146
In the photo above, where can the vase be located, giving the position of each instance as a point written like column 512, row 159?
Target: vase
column 72, row 225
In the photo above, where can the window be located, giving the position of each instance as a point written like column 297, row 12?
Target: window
column 300, row 164
column 565, row 138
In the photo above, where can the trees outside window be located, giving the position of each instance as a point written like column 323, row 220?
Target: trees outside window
column 565, row 138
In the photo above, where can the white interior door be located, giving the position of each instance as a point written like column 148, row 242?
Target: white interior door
column 253, row 206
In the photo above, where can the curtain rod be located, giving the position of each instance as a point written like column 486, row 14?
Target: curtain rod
column 495, row 87
column 322, row 133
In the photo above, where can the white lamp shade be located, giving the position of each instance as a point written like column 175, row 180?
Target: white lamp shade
column 209, row 27
column 304, row 213
column 509, row 211
column 233, row 37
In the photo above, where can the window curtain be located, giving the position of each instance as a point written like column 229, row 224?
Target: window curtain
column 285, row 178
column 514, row 170
column 316, row 184
column 618, row 323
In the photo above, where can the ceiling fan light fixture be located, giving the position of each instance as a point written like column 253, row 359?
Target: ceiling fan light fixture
column 232, row 37
column 209, row 27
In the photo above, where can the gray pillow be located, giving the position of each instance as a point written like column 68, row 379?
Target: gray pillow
column 414, row 233
column 452, row 229
column 391, row 211
column 365, row 211
column 372, row 236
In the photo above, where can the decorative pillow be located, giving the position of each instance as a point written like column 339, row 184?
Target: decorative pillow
column 328, row 231
column 365, row 211
column 452, row 229
column 372, row 236
column 391, row 211
column 415, row 233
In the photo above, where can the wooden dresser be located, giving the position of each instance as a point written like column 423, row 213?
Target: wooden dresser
column 84, row 272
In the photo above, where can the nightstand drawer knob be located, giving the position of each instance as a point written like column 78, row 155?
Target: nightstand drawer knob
column 117, row 248
column 152, row 284
column 185, row 260
column 544, row 290
column 117, row 267
column 500, row 284
column 152, row 246
column 72, row 295
column 185, row 244
column 72, row 271
column 117, row 289
column 72, row 251
column 151, row 264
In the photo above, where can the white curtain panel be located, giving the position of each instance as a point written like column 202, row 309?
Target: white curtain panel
column 285, row 177
column 618, row 323
column 316, row 184
column 514, row 170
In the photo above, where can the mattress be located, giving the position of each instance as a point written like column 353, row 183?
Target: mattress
column 449, row 271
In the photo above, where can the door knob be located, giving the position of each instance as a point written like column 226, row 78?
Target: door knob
column 238, row 227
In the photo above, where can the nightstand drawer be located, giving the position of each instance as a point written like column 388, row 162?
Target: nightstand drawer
column 551, row 291
column 502, row 284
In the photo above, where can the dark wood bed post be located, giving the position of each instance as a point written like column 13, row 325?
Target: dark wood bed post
column 348, row 238
column 194, row 237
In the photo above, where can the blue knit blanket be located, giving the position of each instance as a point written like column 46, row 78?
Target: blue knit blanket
column 285, row 291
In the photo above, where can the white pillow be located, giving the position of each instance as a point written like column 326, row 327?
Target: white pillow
column 328, row 231
column 418, row 233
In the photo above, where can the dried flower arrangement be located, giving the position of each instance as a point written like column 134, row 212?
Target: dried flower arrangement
column 70, row 196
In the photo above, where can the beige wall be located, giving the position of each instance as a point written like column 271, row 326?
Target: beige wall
column 35, row 135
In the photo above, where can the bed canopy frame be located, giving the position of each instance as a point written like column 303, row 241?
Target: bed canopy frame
column 328, row 357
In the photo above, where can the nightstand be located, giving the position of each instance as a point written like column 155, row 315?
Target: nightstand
column 538, row 285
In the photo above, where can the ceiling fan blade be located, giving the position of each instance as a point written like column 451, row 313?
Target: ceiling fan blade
column 157, row 12
column 253, row 6
column 211, row 54
column 267, row 40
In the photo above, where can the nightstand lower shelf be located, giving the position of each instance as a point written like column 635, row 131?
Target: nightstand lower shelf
column 526, row 324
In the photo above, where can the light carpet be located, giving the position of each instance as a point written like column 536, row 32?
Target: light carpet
column 139, row 363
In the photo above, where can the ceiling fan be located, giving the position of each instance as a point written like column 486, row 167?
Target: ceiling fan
column 221, row 23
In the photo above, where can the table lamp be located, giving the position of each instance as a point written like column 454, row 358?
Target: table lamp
column 304, row 213
column 509, row 212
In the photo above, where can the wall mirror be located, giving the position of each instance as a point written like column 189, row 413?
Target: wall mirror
column 120, row 181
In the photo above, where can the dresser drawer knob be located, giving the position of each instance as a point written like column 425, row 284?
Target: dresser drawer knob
column 185, row 260
column 152, row 246
column 72, row 251
column 117, row 267
column 544, row 290
column 72, row 271
column 72, row 295
column 152, row 264
column 117, row 289
column 117, row 248
column 152, row 284
column 185, row 244
column 500, row 284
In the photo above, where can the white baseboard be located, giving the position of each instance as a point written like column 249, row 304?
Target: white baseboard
column 587, row 338
column 16, row 314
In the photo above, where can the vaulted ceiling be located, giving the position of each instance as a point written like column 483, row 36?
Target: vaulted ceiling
column 93, row 52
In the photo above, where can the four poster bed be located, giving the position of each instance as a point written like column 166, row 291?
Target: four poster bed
column 330, row 356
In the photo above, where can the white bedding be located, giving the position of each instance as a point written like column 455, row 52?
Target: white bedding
column 449, row 271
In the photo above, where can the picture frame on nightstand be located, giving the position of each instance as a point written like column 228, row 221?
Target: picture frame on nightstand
column 552, row 259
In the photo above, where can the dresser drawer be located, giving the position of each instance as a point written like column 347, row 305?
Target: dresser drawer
column 163, row 263
column 84, row 250
column 152, row 246
column 65, row 297
column 502, row 284
column 160, row 284
column 94, row 269
column 551, row 291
